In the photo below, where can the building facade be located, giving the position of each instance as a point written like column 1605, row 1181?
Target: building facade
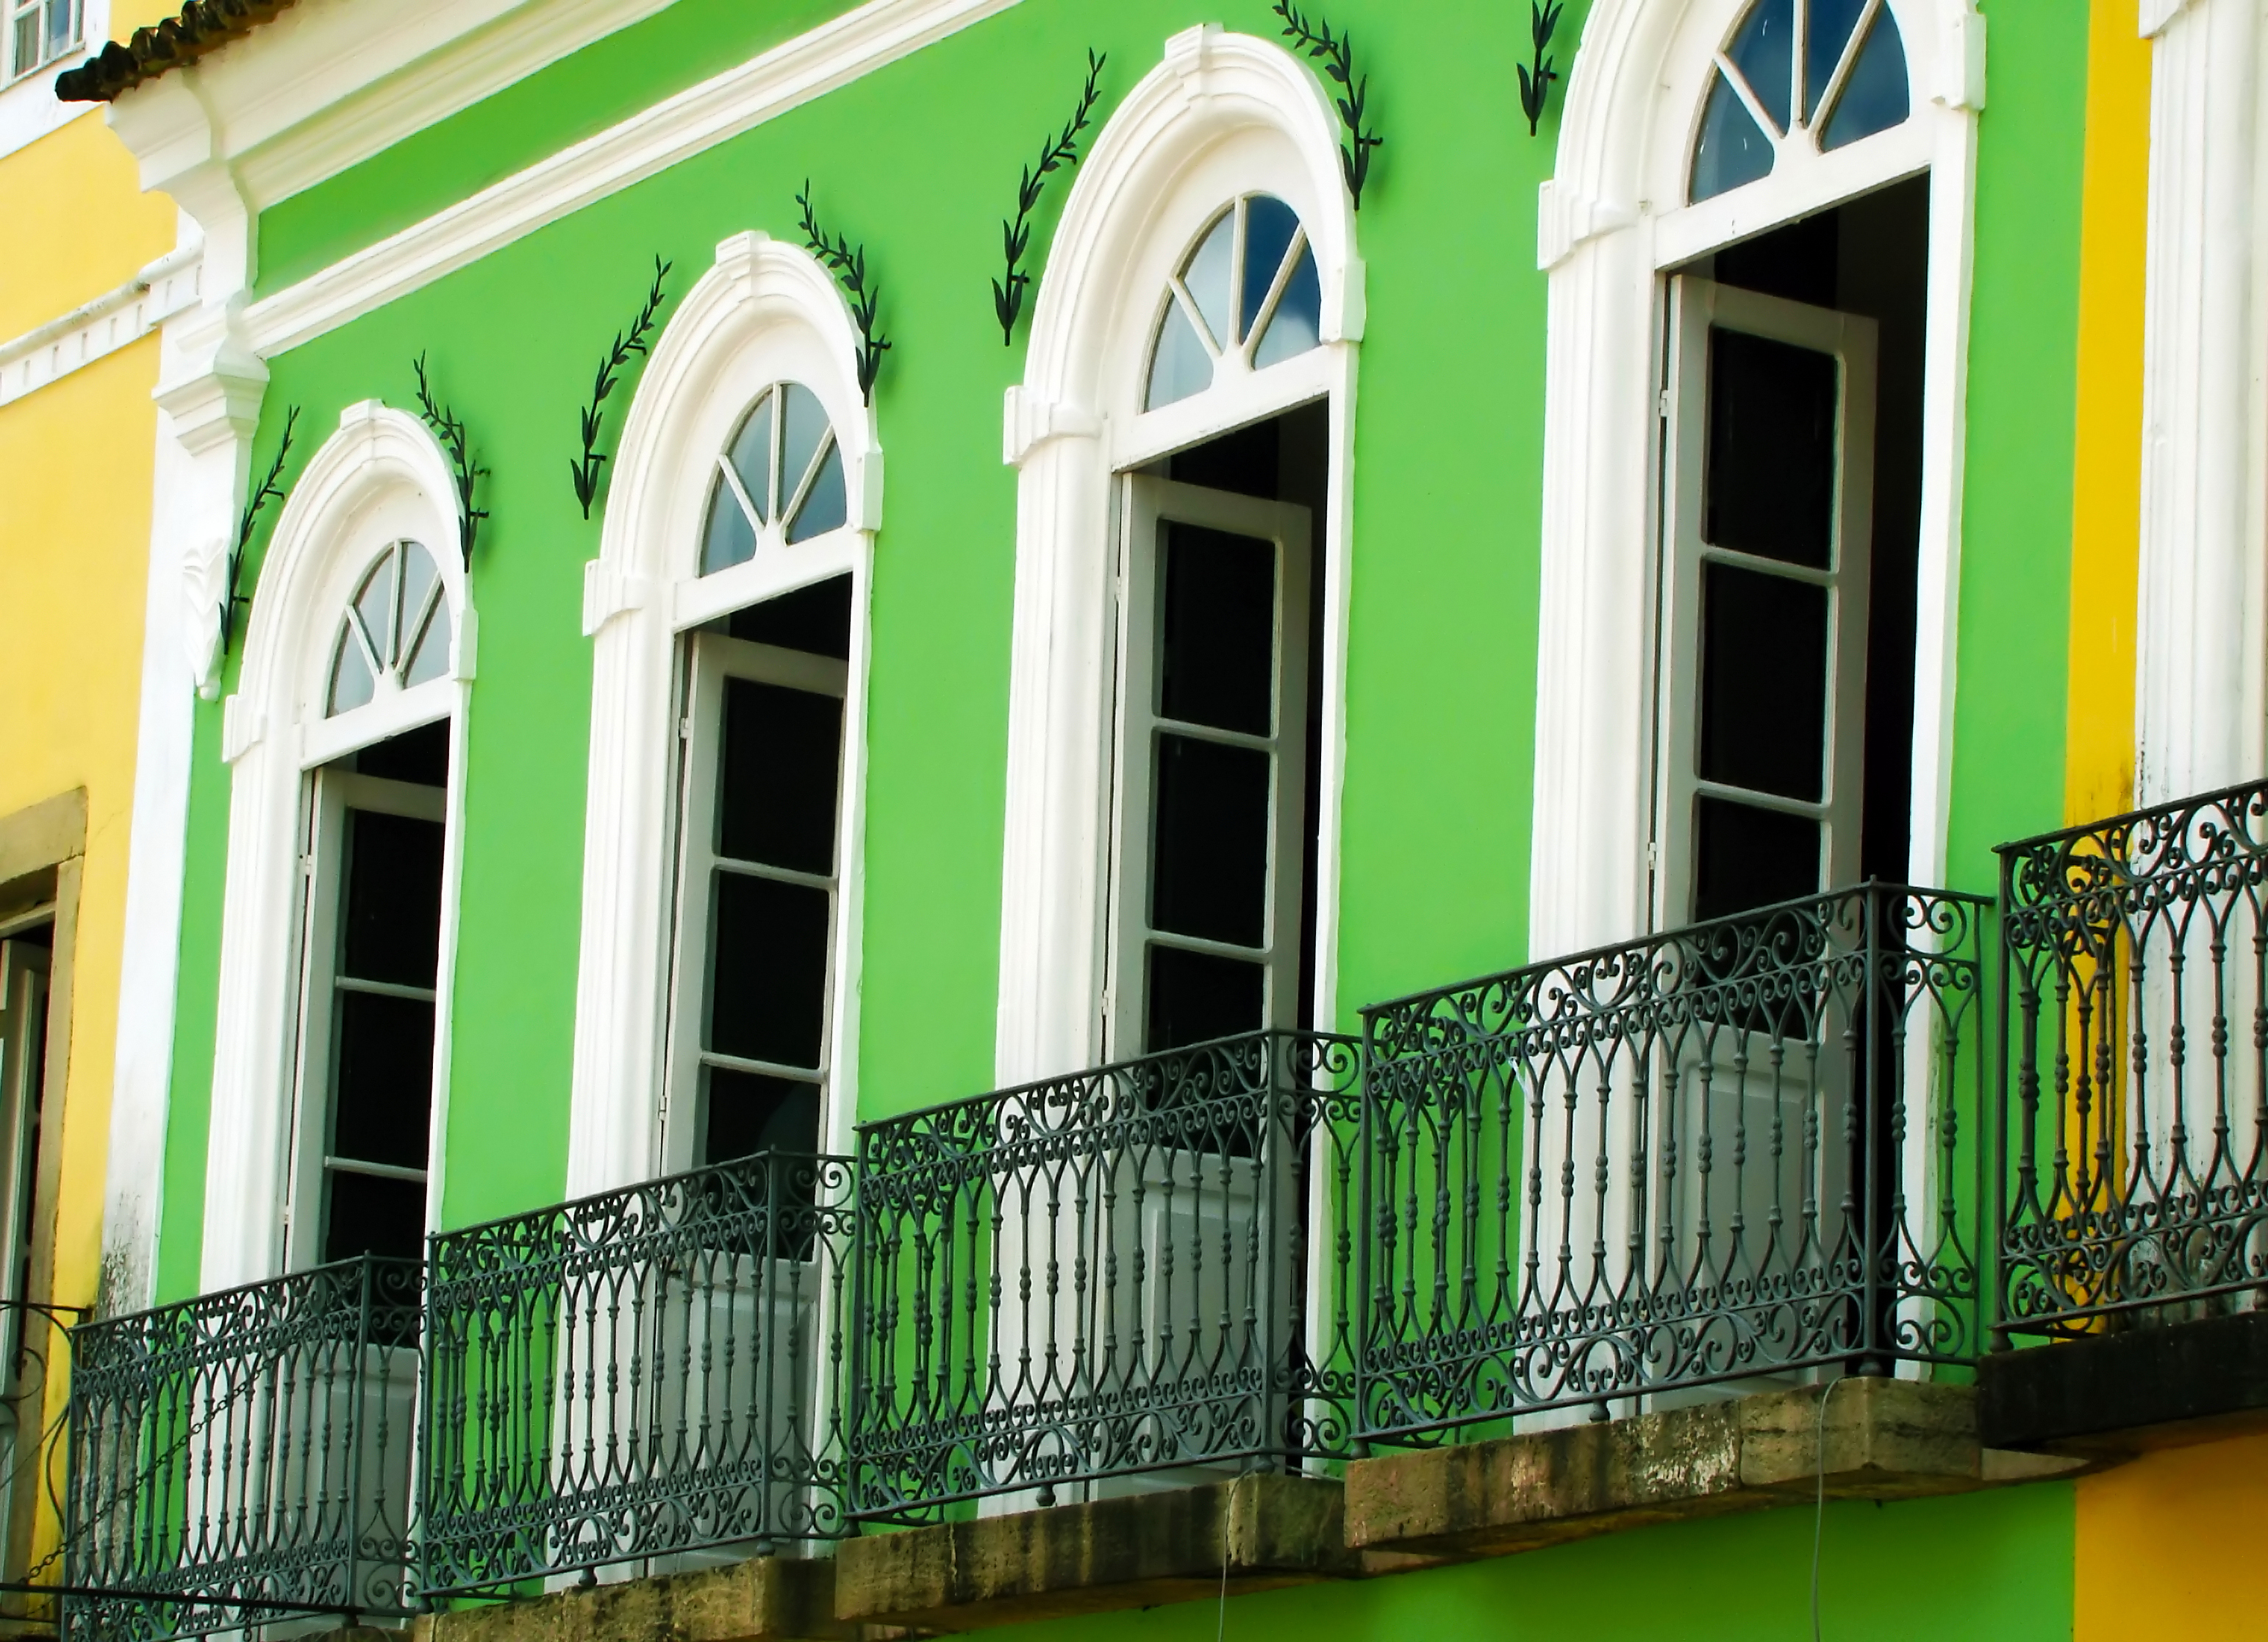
column 1706, row 514
column 92, row 269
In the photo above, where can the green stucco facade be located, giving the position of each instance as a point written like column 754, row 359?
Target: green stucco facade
column 919, row 160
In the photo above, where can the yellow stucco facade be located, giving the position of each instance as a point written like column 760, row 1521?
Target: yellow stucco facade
column 76, row 458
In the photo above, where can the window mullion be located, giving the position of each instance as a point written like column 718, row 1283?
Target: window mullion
column 1844, row 64
column 1276, row 287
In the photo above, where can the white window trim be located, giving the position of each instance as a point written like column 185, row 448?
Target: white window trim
column 1609, row 223
column 2201, row 700
column 28, row 107
column 1224, row 115
column 766, row 312
column 380, row 478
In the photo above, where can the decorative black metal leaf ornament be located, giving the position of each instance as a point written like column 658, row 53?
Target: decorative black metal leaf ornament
column 269, row 491
column 1536, row 82
column 849, row 263
column 450, row 430
column 1336, row 52
column 585, row 469
column 1016, row 237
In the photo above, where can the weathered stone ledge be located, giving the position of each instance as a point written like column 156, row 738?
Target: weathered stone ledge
column 1883, row 1440
column 1134, row 1551
column 765, row 1598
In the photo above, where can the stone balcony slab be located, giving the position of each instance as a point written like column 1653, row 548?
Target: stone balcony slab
column 1881, row 1439
column 1137, row 1550
column 765, row 1598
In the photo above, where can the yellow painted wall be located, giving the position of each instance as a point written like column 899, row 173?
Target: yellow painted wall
column 2107, row 485
column 77, row 222
column 75, row 462
column 2168, row 1545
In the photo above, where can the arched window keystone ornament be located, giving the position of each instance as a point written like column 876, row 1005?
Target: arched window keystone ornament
column 395, row 633
column 779, row 482
column 1248, row 297
column 1797, row 79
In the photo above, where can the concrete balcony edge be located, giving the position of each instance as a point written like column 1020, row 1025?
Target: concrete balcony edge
column 1136, row 1550
column 1883, row 1440
column 764, row 1599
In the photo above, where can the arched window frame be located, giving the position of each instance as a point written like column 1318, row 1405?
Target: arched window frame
column 1610, row 224
column 1222, row 115
column 380, row 479
column 766, row 312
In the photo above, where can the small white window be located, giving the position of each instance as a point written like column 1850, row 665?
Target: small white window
column 371, row 934
column 40, row 31
column 779, row 482
column 760, row 879
column 1213, row 808
column 1248, row 297
column 394, row 635
column 1798, row 79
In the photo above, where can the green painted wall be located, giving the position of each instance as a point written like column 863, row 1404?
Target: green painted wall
column 920, row 160
column 1993, row 1567
column 2024, row 373
column 606, row 82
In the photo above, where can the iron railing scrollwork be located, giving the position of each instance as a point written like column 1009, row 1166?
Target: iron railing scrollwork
column 1739, row 1150
column 2134, row 1100
column 244, row 1456
column 643, row 1373
column 1138, row 1269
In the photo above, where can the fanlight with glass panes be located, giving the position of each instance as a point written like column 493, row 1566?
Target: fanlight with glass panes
column 395, row 632
column 1248, row 297
column 779, row 482
column 1797, row 77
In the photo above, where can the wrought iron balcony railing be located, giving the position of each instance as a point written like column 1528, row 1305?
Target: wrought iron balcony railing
column 637, row 1375
column 1138, row 1269
column 1737, row 1150
column 2136, row 1109
column 245, row 1456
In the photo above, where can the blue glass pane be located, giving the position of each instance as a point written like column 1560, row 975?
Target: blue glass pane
column 1206, row 278
column 1874, row 97
column 1763, row 51
column 729, row 539
column 1268, row 225
column 803, row 424
column 1830, row 28
column 1732, row 148
column 823, row 510
column 752, row 459
column 1298, row 323
column 1180, row 366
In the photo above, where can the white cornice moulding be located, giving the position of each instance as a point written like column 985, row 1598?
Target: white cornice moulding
column 694, row 121
column 326, row 84
column 2151, row 16
column 102, row 327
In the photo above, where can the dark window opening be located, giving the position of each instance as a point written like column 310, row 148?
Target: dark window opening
column 384, row 968
column 1761, row 648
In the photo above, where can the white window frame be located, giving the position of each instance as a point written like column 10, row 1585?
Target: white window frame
column 1150, row 503
column 331, row 793
column 1610, row 226
column 1223, row 115
column 766, row 312
column 715, row 658
column 37, row 9
column 380, row 479
column 1696, row 304
column 29, row 109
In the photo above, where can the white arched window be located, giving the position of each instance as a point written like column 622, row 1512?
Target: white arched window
column 717, row 985
column 346, row 738
column 1798, row 79
column 1181, row 435
column 395, row 633
column 1246, row 299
